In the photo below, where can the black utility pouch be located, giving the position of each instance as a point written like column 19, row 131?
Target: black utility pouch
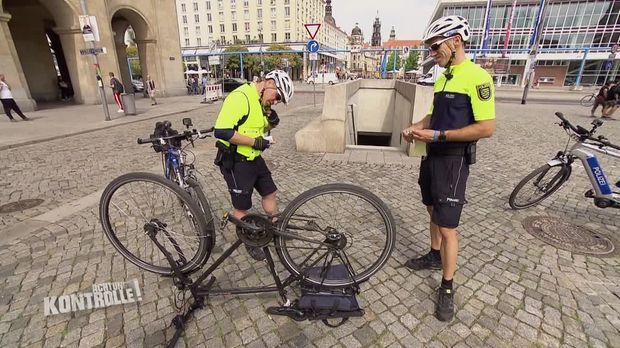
column 224, row 157
column 470, row 153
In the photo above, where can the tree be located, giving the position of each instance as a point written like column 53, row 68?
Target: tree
column 233, row 62
column 132, row 51
column 279, row 60
column 390, row 62
column 412, row 61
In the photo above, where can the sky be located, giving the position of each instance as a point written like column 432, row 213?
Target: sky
column 409, row 17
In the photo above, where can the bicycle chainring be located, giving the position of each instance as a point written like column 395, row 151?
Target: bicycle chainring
column 256, row 238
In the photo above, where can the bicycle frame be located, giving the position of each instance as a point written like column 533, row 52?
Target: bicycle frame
column 586, row 154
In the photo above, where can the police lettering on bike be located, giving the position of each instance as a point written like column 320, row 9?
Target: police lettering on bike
column 463, row 111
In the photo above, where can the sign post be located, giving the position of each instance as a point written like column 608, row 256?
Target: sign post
column 313, row 48
column 88, row 24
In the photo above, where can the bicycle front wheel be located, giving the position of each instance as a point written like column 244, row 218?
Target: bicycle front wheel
column 587, row 100
column 195, row 190
column 538, row 185
column 335, row 224
column 135, row 205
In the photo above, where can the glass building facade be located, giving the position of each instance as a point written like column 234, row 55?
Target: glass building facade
column 572, row 25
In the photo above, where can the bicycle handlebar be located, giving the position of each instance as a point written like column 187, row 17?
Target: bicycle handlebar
column 584, row 134
column 185, row 135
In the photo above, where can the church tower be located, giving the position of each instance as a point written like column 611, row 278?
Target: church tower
column 376, row 32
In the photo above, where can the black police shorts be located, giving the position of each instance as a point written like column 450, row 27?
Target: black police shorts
column 244, row 178
column 443, row 180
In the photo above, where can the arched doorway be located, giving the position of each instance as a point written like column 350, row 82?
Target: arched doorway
column 131, row 41
column 36, row 28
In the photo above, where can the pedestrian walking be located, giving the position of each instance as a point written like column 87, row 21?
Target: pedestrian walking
column 117, row 89
column 600, row 98
column 462, row 112
column 150, row 88
column 8, row 103
column 64, row 89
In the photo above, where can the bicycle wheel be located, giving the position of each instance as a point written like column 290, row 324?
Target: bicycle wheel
column 361, row 223
column 587, row 100
column 195, row 190
column 538, row 185
column 135, row 203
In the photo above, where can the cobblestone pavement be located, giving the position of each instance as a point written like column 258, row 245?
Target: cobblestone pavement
column 512, row 289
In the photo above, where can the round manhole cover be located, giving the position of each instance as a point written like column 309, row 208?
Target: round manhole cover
column 20, row 205
column 566, row 236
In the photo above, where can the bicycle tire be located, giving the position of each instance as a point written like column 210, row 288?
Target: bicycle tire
column 540, row 173
column 195, row 190
column 360, row 213
column 196, row 243
column 587, row 100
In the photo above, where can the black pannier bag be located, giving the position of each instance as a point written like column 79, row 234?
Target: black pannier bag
column 164, row 129
column 321, row 303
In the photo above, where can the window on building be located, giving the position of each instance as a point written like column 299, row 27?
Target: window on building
column 287, row 24
column 246, row 14
column 183, row 9
column 259, row 2
column 247, row 26
column 223, row 39
column 273, row 2
column 260, row 37
column 210, row 29
column 184, row 19
column 208, row 5
column 221, row 16
column 247, row 38
column 235, row 39
column 233, row 4
column 274, row 37
column 287, row 2
column 287, row 37
column 222, row 27
column 273, row 12
column 273, row 25
column 287, row 11
column 246, row 3
column 195, row 6
column 220, row 5
column 233, row 15
column 209, row 18
column 197, row 31
column 186, row 42
column 186, row 31
column 234, row 27
column 197, row 18
column 259, row 13
column 198, row 42
column 260, row 26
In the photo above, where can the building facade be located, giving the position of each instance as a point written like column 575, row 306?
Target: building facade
column 41, row 41
column 569, row 27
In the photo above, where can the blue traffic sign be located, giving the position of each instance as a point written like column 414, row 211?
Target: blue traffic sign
column 313, row 46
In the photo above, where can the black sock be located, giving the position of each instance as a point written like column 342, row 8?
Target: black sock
column 435, row 254
column 446, row 284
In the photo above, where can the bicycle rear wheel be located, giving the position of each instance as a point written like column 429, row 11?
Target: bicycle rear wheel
column 135, row 203
column 538, row 185
column 587, row 100
column 352, row 219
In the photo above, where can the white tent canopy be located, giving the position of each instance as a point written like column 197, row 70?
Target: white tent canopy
column 194, row 72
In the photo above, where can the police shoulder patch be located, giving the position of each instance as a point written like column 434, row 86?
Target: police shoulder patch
column 484, row 91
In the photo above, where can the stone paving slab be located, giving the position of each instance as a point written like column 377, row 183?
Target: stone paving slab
column 512, row 289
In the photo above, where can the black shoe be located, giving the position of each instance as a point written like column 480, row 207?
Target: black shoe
column 427, row 261
column 444, row 310
column 257, row 253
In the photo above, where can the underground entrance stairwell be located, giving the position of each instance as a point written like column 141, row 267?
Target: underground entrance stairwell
column 366, row 113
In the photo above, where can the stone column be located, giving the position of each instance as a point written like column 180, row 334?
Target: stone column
column 81, row 68
column 10, row 66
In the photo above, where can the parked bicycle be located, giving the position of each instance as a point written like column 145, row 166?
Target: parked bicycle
column 588, row 100
column 544, row 181
column 330, row 239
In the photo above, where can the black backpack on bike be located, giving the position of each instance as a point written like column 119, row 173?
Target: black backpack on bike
column 164, row 129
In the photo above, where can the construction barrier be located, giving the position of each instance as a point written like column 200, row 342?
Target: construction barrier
column 213, row 92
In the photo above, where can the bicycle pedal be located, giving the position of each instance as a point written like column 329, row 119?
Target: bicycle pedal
column 589, row 194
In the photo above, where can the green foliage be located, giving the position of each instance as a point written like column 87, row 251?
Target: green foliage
column 390, row 62
column 233, row 62
column 132, row 51
column 412, row 61
column 136, row 69
column 278, row 60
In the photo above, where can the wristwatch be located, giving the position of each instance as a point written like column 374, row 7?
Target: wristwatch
column 442, row 135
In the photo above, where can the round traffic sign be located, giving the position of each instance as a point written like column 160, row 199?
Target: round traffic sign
column 313, row 46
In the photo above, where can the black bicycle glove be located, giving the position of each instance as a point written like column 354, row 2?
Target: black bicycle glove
column 273, row 118
column 260, row 144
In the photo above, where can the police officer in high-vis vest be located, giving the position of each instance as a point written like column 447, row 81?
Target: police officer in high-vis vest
column 240, row 128
column 462, row 112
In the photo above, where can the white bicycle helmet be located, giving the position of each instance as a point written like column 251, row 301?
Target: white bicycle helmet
column 283, row 83
column 448, row 26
